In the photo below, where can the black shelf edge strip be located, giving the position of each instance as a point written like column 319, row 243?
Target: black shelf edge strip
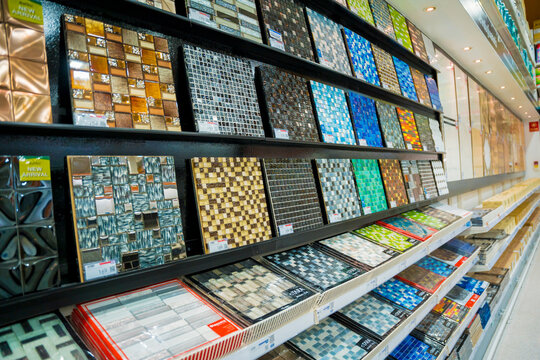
column 464, row 186
column 150, row 18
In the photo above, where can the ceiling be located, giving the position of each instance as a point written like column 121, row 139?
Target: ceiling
column 452, row 29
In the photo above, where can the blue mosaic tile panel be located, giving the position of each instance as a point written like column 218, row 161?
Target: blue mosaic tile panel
column 413, row 349
column 433, row 92
column 473, row 285
column 436, row 266
column 362, row 58
column 405, row 79
column 366, row 123
column 402, row 294
column 460, row 247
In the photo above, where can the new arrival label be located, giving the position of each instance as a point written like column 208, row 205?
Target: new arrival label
column 34, row 168
column 26, row 10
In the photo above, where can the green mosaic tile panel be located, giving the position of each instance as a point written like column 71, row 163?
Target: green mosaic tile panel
column 401, row 29
column 369, row 184
column 362, row 9
column 425, row 219
column 383, row 236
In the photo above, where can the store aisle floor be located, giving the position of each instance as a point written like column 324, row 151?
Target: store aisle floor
column 521, row 337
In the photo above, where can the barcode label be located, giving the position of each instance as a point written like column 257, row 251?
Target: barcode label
column 98, row 269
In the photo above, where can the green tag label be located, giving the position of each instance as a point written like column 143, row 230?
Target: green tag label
column 26, row 10
column 34, row 168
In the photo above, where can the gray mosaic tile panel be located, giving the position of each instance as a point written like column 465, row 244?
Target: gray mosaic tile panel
column 428, row 181
column 390, row 126
column 440, row 177
column 424, row 131
column 413, row 183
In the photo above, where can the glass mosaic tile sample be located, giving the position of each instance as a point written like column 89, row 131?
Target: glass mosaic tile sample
column 401, row 29
column 358, row 249
column 339, row 189
column 417, row 40
column 376, row 315
column 424, row 132
column 234, row 17
column 405, row 79
column 382, row 17
column 119, row 77
column 282, row 352
column 425, row 219
column 317, row 269
column 460, row 247
column 408, row 127
column 386, row 237
column 231, row 201
column 428, row 180
column 167, row 5
column 408, row 227
column 473, row 285
column 161, row 321
column 42, row 337
column 421, row 278
column 125, row 210
column 451, row 310
column 223, row 93
column 447, row 256
column 393, row 182
column 286, row 28
column 437, row 327
column 362, row 9
column 446, row 217
column 365, row 120
column 332, row 114
column 331, row 340
column 421, row 87
column 436, row 266
column 437, row 135
column 433, row 92
column 440, row 177
column 462, row 296
column 328, row 42
column 413, row 183
column 412, row 348
column 387, row 71
column 251, row 290
column 391, row 129
column 293, row 194
column 288, row 104
column 362, row 57
column 28, row 248
column 402, row 294
column 369, row 185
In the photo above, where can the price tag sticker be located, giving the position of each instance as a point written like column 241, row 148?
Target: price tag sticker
column 201, row 16
column 372, row 284
column 99, row 269
column 281, row 134
column 335, row 217
column 217, row 245
column 325, row 311
column 367, row 210
column 393, row 204
column 209, row 127
column 363, row 142
column 285, row 229
column 328, row 138
column 409, row 146
column 390, row 144
column 411, row 198
column 263, row 346
column 34, row 168
column 276, row 40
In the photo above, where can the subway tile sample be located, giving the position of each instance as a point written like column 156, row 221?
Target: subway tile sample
column 125, row 211
column 428, row 180
column 231, row 201
column 362, row 57
column 401, row 29
column 387, row 71
column 421, row 87
column 433, row 92
column 408, row 127
column 293, row 195
column 440, row 177
column 424, row 132
column 382, row 17
column 366, row 124
column 405, row 79
column 288, row 104
column 417, row 39
column 119, row 77
column 386, row 237
column 401, row 294
column 390, row 126
column 369, row 185
column 413, row 183
column 223, row 93
column 393, row 182
column 362, row 9
column 332, row 114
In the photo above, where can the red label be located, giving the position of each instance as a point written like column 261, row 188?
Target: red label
column 222, row 327
column 533, row 126
column 461, row 261
column 472, row 301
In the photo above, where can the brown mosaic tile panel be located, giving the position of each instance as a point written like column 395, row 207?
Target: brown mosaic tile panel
column 393, row 182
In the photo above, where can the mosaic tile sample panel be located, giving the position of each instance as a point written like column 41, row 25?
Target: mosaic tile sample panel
column 408, row 127
column 28, row 248
column 401, row 29
column 433, row 92
column 451, row 310
column 417, row 40
column 286, row 27
column 317, row 269
column 339, row 189
column 362, row 57
column 328, row 42
column 386, row 237
column 251, row 290
column 413, row 183
column 428, row 180
column 447, row 256
column 473, row 285
column 460, row 247
column 437, row 135
column 439, row 214
column 421, row 87
column 387, row 72
column 436, row 266
column 369, row 185
column 293, row 194
column 402, row 294
column 362, row 9
column 391, row 129
column 42, row 337
column 365, row 120
column 167, row 5
column 359, row 249
column 119, row 78
column 332, row 114
column 382, row 17
column 147, row 323
column 214, row 77
column 331, row 340
column 234, row 17
column 421, row 278
column 393, row 182
column 462, row 296
column 408, row 227
column 440, row 177
column 412, row 348
column 425, row 219
column 231, row 201
column 126, row 211
column 375, row 315
column 424, row 132
column 282, row 352
column 405, row 79
column 437, row 327
column 288, row 104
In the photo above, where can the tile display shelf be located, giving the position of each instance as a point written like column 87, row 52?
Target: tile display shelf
column 491, row 260
column 336, row 298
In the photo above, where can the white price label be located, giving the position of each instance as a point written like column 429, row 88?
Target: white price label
column 325, row 311
column 99, row 269
column 372, row 284
column 409, row 146
column 403, row 266
column 335, row 217
column 263, row 346
column 363, row 142
column 386, row 86
column 385, row 352
column 367, row 210
column 277, row 44
column 217, row 245
column 209, row 127
column 411, row 198
column 393, row 204
column 275, row 35
column 201, row 16
column 281, row 134
column 285, row 229
column 390, row 145
column 328, row 138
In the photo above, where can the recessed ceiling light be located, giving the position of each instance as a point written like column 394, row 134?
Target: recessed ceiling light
column 513, row 98
column 430, row 9
column 526, row 113
column 502, row 87
column 529, row 116
column 477, row 61
column 467, row 48
column 458, row 78
column 489, row 72
column 519, row 107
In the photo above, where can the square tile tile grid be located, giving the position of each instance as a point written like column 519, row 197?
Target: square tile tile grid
column 405, row 79
column 393, row 182
column 413, row 183
column 366, row 124
column 408, row 127
column 370, row 186
column 361, row 56
column 390, row 127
